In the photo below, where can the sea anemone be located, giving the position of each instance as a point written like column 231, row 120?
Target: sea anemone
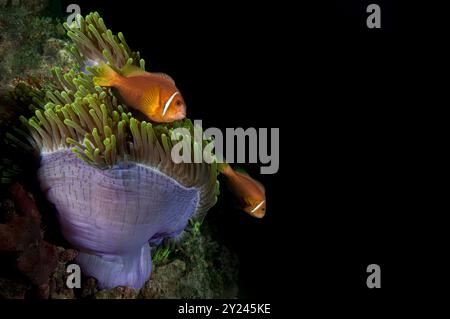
column 111, row 176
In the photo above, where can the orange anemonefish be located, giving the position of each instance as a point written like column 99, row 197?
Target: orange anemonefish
column 249, row 192
column 153, row 94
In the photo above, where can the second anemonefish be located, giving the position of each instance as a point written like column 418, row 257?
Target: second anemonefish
column 153, row 94
column 249, row 192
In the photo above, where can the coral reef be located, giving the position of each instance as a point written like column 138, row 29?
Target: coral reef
column 21, row 234
column 126, row 190
column 64, row 112
column 29, row 43
column 199, row 267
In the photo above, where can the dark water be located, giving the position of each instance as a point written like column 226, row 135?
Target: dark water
column 344, row 195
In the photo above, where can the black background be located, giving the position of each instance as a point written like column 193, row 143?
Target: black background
column 345, row 195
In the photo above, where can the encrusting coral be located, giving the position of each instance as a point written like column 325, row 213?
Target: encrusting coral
column 21, row 234
column 29, row 41
column 109, row 174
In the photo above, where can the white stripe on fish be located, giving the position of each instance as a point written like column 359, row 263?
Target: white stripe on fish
column 166, row 106
column 257, row 206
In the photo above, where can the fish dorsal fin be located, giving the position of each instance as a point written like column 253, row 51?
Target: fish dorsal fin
column 132, row 70
column 164, row 76
column 242, row 172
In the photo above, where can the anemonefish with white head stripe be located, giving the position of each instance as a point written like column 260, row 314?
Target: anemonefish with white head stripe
column 153, row 94
column 249, row 192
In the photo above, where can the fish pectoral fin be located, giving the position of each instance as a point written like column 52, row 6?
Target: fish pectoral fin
column 130, row 70
column 150, row 99
column 164, row 76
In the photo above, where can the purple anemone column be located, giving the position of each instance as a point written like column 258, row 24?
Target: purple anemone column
column 110, row 215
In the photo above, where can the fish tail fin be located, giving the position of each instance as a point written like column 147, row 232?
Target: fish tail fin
column 107, row 76
column 225, row 169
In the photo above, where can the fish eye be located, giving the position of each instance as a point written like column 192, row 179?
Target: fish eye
column 179, row 102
